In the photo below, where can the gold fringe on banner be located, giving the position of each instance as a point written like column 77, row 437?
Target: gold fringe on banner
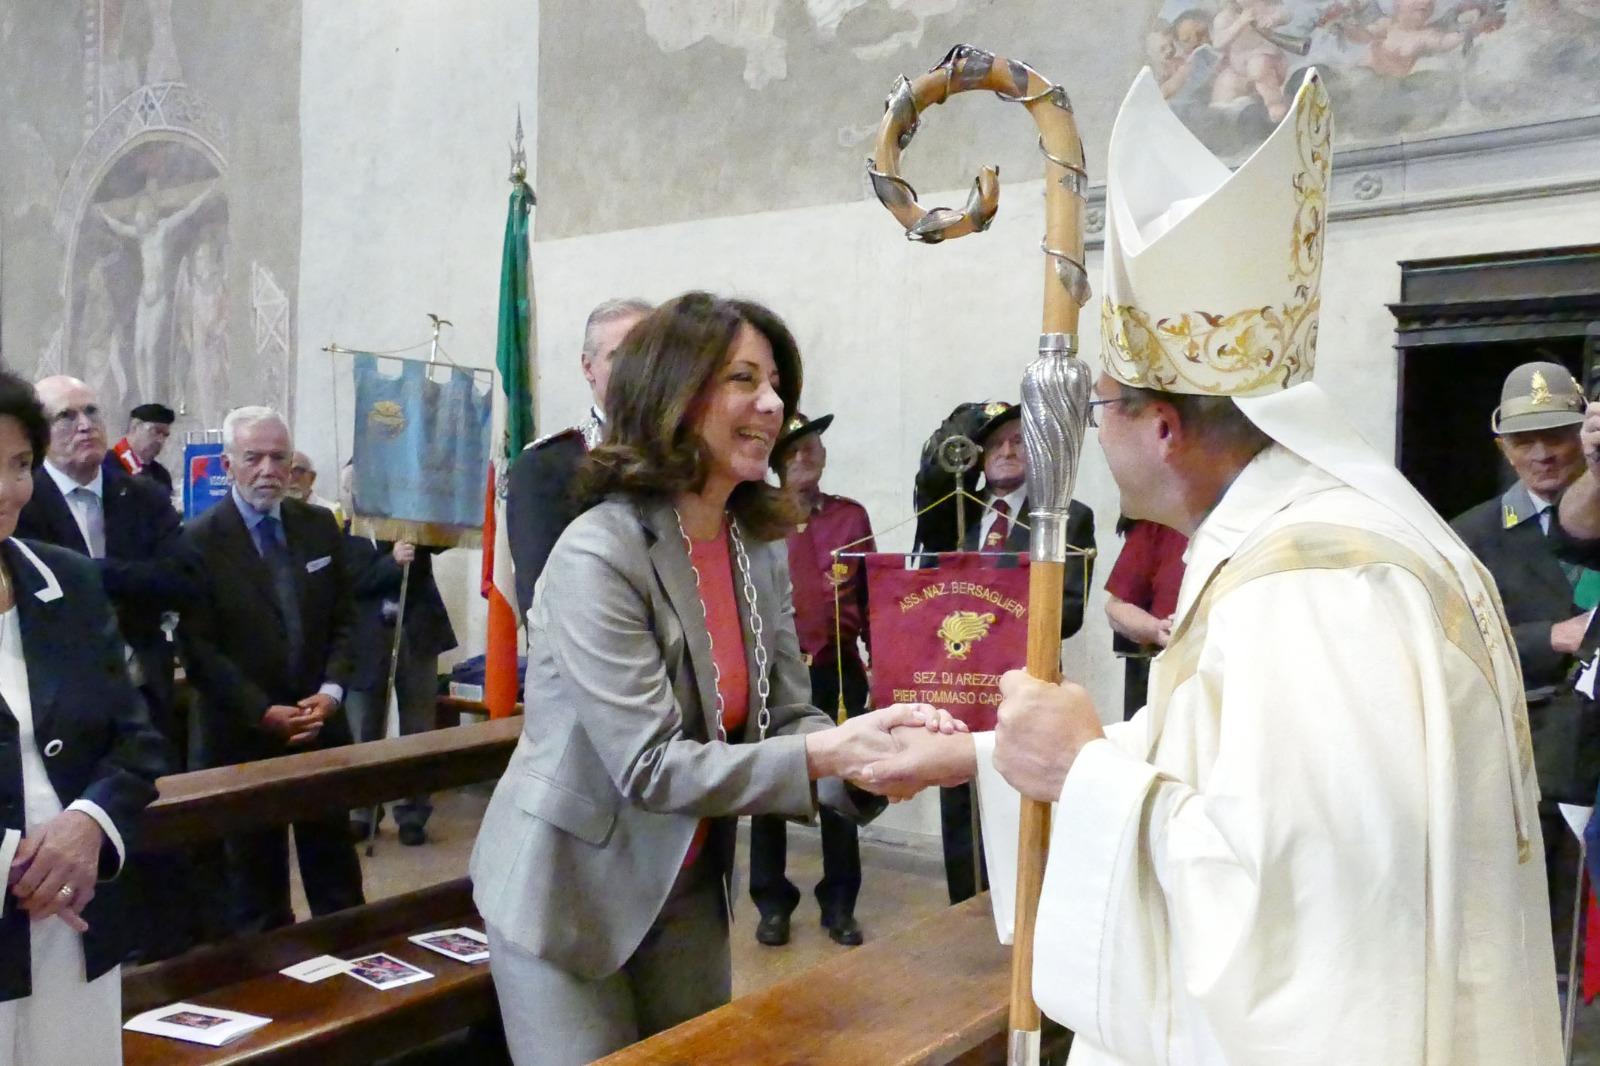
column 424, row 534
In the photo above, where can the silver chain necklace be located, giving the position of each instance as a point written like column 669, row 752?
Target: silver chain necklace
column 763, row 688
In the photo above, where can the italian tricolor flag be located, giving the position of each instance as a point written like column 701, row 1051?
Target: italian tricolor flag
column 513, row 429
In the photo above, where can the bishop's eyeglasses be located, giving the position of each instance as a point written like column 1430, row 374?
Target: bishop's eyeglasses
column 1094, row 417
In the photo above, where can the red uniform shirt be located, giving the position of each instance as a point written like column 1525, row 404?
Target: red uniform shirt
column 837, row 521
column 124, row 453
column 1150, row 569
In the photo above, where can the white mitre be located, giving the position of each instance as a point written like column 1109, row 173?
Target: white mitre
column 1214, row 277
column 1213, row 287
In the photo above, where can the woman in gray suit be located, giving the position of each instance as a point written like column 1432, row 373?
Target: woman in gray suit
column 666, row 696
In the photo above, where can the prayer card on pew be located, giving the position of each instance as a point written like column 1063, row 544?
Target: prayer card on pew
column 211, row 1026
column 383, row 971
column 463, row 945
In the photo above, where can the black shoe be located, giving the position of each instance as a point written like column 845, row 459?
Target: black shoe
column 844, row 930
column 413, row 836
column 363, row 827
column 773, row 930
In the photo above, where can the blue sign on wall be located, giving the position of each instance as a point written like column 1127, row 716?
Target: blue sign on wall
column 204, row 480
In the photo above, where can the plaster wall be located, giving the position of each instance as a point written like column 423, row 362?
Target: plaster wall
column 408, row 111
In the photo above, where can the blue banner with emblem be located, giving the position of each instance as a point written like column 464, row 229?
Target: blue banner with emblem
column 421, row 445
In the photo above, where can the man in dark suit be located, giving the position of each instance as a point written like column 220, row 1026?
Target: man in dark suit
column 149, row 427
column 127, row 524
column 539, row 497
column 84, row 501
column 1000, row 529
column 377, row 571
column 266, row 646
column 1536, row 428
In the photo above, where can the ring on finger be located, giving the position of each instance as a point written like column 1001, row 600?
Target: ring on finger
column 66, row 893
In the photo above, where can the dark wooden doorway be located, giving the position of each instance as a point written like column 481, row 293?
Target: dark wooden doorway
column 1462, row 324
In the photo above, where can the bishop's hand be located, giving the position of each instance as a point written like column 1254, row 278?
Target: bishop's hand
column 1041, row 729
column 847, row 750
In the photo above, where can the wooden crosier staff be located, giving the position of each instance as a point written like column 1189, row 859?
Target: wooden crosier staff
column 1055, row 392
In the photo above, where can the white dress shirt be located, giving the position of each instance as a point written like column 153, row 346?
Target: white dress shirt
column 1014, row 501
column 88, row 513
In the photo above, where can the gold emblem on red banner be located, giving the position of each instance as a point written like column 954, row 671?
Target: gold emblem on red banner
column 838, row 574
column 960, row 630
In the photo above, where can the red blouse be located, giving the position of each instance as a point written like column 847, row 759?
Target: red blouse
column 719, row 598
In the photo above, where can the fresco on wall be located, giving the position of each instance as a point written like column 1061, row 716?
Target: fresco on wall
column 1396, row 68
column 149, row 309
column 159, row 236
column 734, row 106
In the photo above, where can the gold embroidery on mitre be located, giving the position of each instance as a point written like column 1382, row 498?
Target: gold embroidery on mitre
column 1249, row 351
column 1539, row 390
column 961, row 630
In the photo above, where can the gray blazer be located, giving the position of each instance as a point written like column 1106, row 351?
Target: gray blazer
column 588, row 828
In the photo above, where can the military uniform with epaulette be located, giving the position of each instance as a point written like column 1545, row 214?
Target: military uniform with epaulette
column 540, row 502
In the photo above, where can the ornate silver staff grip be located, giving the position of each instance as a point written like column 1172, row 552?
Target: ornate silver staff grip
column 1055, row 415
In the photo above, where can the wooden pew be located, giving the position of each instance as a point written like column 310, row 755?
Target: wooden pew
column 931, row 995
column 209, row 804
column 339, row 1020
column 335, row 1022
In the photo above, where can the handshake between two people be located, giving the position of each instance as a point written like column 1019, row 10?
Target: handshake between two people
column 900, row 750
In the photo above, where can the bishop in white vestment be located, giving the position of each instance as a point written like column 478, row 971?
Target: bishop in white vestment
column 1304, row 850
column 1317, row 843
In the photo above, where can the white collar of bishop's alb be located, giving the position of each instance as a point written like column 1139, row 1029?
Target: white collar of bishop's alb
column 1271, row 481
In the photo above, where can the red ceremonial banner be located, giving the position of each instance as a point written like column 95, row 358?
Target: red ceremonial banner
column 943, row 633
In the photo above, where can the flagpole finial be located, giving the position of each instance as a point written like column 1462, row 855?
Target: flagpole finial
column 519, row 155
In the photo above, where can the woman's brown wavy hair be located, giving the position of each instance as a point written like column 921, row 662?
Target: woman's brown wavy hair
column 659, row 375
